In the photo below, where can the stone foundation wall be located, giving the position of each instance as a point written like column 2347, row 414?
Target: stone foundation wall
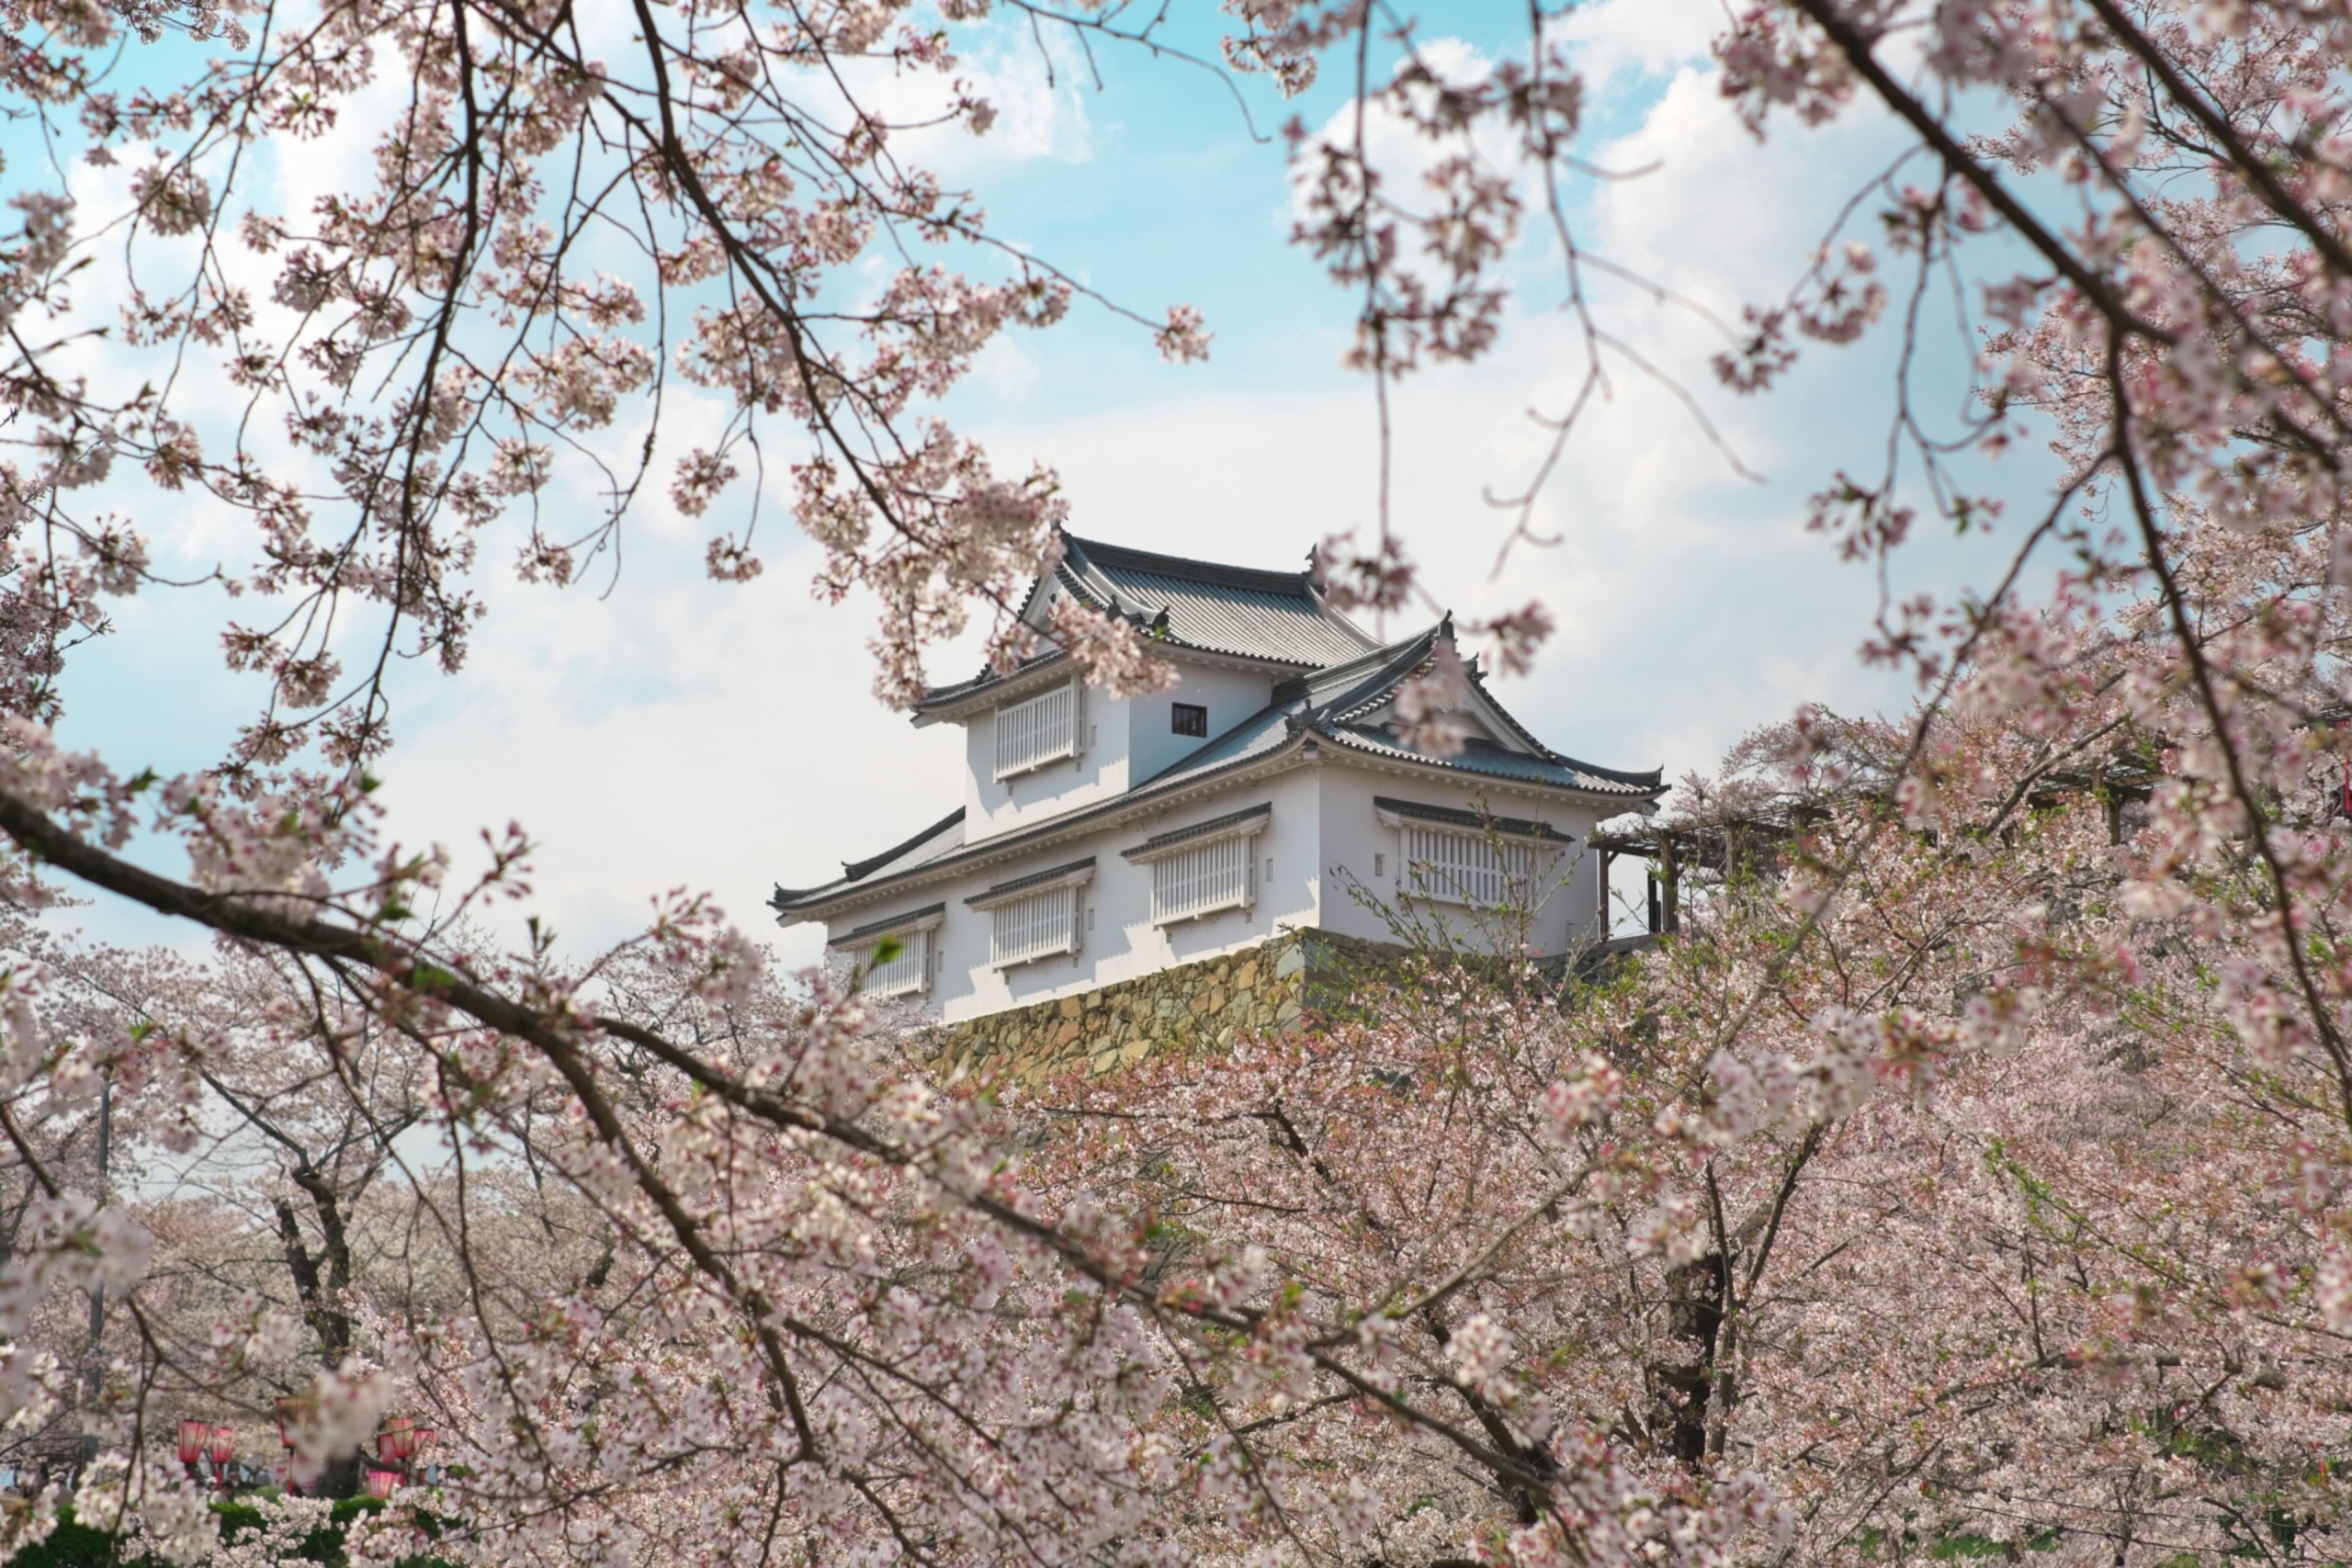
column 1205, row 1002
column 1295, row 976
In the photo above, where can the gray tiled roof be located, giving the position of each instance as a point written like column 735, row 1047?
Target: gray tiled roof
column 938, row 696
column 1277, row 616
column 890, row 923
column 1345, row 690
column 1030, row 880
column 1254, row 736
column 1517, row 826
column 1159, row 842
column 1221, row 609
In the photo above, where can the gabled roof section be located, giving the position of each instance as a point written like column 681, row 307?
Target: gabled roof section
column 1335, row 702
column 1274, row 617
column 1329, row 703
column 1347, row 689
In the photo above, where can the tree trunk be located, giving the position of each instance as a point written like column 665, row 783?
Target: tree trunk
column 1682, row 1381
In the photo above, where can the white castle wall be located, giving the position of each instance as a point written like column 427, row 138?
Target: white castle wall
column 1324, row 831
column 1129, row 739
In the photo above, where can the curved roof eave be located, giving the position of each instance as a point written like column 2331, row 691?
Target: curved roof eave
column 1149, row 795
column 1636, row 788
column 1154, row 794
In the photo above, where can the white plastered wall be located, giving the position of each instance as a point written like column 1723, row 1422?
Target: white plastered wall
column 1118, row 940
column 1323, row 829
column 1357, row 845
column 1126, row 742
column 1230, row 695
column 1098, row 771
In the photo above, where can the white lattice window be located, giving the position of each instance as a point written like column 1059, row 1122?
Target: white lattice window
column 1036, row 926
column 1042, row 730
column 912, row 939
column 1205, row 867
column 1200, row 879
column 906, row 971
column 1456, row 866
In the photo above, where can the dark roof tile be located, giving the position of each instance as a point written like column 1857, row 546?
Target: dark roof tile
column 942, row 837
column 1495, row 762
column 1274, row 615
column 1032, row 879
column 889, row 923
column 1277, row 616
column 1159, row 842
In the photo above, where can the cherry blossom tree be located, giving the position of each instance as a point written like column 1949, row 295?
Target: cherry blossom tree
column 1966, row 1178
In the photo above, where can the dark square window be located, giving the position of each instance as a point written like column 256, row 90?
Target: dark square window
column 1189, row 718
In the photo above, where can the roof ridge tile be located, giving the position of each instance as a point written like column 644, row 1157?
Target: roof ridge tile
column 1152, row 563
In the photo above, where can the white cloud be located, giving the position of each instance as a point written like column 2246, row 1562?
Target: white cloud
column 678, row 732
column 1041, row 106
column 1621, row 38
column 1723, row 217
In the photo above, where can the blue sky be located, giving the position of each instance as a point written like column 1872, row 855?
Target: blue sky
column 675, row 732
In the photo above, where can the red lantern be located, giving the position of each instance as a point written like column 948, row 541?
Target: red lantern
column 193, row 1435
column 426, row 1437
column 224, row 1444
column 398, row 1439
column 289, row 1415
column 381, row 1482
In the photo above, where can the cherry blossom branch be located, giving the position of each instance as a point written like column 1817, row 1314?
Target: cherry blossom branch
column 2242, row 161
column 1858, row 53
column 2192, row 653
column 427, row 982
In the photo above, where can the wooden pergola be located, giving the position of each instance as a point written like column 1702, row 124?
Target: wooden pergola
column 1752, row 840
column 1671, row 849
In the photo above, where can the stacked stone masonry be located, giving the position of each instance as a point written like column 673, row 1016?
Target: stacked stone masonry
column 1295, row 975
column 1258, row 988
